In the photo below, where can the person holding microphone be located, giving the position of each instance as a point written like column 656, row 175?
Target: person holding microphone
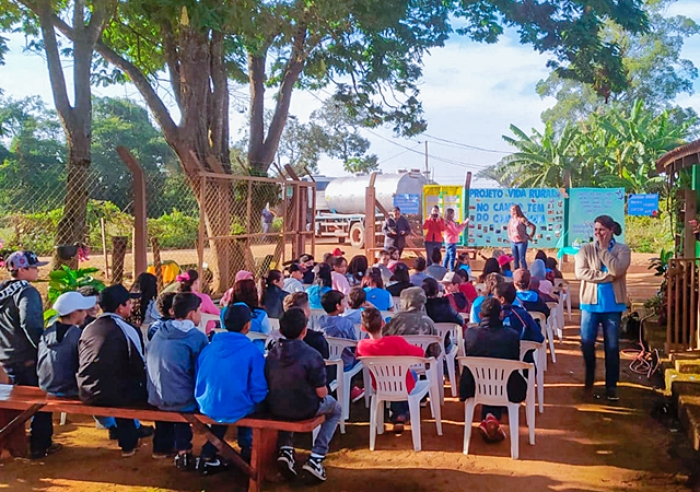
column 602, row 266
column 433, row 226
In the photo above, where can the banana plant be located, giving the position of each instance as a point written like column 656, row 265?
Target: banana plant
column 66, row 279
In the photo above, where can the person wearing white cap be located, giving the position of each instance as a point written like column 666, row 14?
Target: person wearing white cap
column 58, row 346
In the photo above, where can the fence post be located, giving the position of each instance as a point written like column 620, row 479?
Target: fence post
column 119, row 244
column 139, row 192
column 157, row 265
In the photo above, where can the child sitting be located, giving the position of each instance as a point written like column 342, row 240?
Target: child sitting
column 230, row 382
column 356, row 302
column 58, row 346
column 164, row 304
column 375, row 345
column 314, row 336
column 296, row 378
column 170, row 363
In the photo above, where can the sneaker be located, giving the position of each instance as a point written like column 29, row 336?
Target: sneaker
column 356, row 394
column 285, row 462
column 210, row 466
column 314, row 467
column 611, row 394
column 144, row 431
column 128, row 453
column 398, row 427
column 491, row 430
column 184, row 461
column 43, row 453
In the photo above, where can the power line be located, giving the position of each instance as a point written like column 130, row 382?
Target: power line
column 472, row 147
column 397, row 155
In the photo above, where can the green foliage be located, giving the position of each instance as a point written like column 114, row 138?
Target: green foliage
column 68, row 280
column 175, row 230
column 648, row 234
column 660, row 264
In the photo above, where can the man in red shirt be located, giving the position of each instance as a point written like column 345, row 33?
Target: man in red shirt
column 392, row 345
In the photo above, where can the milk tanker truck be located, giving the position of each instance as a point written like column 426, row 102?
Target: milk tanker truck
column 340, row 202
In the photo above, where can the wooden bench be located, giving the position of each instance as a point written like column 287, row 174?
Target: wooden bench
column 19, row 403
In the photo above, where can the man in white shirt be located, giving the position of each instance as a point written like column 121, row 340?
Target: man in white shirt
column 293, row 283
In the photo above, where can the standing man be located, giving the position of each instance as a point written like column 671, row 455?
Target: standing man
column 434, row 226
column 112, row 369
column 21, row 327
column 395, row 229
column 267, row 217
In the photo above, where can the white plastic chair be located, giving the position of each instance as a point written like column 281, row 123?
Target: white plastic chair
column 397, row 302
column 389, row 375
column 547, row 327
column 540, row 358
column 480, row 287
column 555, row 319
column 336, row 346
column 425, row 341
column 457, row 338
column 491, row 388
column 205, row 319
column 274, row 324
column 565, row 288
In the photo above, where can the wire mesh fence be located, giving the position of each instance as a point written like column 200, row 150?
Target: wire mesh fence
column 244, row 222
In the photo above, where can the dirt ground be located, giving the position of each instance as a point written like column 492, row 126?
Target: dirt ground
column 582, row 445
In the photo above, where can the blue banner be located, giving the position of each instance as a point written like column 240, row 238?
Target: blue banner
column 646, row 205
column 408, row 203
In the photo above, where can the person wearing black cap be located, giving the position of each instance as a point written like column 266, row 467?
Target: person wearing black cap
column 112, row 371
column 21, row 327
column 230, row 382
column 293, row 283
column 306, row 262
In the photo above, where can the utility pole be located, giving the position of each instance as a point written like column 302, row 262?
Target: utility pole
column 426, row 171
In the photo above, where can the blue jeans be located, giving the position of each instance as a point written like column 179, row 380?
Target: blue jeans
column 519, row 251
column 331, row 409
column 450, row 256
column 430, row 246
column 611, row 342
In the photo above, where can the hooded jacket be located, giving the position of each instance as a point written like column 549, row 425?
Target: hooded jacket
column 274, row 296
column 57, row 362
column 170, row 363
column 21, row 322
column 294, row 370
column 518, row 319
column 412, row 320
column 440, row 310
column 111, row 371
column 230, row 377
column 532, row 301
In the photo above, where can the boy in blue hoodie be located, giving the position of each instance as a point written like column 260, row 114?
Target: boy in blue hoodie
column 337, row 326
column 170, row 364
column 529, row 299
column 230, row 383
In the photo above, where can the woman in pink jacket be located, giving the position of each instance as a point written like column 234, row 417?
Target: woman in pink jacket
column 452, row 232
column 189, row 282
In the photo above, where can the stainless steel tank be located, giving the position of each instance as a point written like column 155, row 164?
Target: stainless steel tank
column 347, row 195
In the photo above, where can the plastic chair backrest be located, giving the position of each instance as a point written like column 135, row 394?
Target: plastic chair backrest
column 425, row 341
column 397, row 302
column 337, row 345
column 390, row 374
column 274, row 324
column 537, row 316
column 205, row 319
column 453, row 329
column 254, row 335
column 480, row 287
column 491, row 377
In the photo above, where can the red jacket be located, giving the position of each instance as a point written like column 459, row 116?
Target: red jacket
column 434, row 229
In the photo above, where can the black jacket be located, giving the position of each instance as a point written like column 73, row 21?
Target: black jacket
column 440, row 310
column 393, row 230
column 58, row 359
column 396, row 289
column 498, row 342
column 21, row 322
column 273, row 301
column 111, row 371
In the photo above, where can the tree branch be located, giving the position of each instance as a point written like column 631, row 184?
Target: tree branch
column 217, row 111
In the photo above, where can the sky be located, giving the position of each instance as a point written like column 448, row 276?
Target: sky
column 471, row 94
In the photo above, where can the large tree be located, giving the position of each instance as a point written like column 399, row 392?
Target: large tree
column 86, row 21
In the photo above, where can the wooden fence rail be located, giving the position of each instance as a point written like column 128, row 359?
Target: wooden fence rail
column 682, row 331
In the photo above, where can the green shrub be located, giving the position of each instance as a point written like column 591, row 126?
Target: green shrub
column 648, row 234
column 175, row 230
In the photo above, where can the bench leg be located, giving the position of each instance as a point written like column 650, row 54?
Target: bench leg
column 13, row 436
column 263, row 455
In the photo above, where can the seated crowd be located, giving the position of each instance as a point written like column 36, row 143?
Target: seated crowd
column 185, row 365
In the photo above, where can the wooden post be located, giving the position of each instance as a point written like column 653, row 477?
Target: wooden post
column 691, row 210
column 370, row 221
column 119, row 245
column 139, row 194
column 104, row 246
column 157, row 265
column 202, row 230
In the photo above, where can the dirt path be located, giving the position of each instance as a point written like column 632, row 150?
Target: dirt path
column 581, row 446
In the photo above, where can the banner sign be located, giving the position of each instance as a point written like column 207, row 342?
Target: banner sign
column 408, row 203
column 585, row 204
column 489, row 214
column 444, row 197
column 646, row 205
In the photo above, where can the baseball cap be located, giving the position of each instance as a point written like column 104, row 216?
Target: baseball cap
column 449, row 278
column 304, row 258
column 69, row 302
column 338, row 252
column 243, row 275
column 23, row 259
column 236, row 316
column 521, row 276
column 504, row 259
column 114, row 296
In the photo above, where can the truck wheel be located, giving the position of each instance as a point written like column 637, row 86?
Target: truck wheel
column 357, row 235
